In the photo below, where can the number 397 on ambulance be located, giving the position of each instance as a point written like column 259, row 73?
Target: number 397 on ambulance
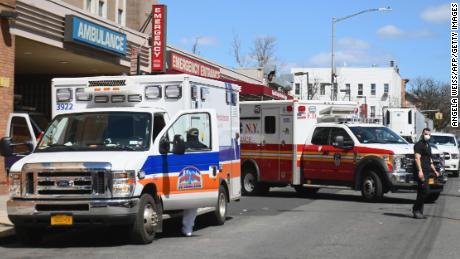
column 129, row 150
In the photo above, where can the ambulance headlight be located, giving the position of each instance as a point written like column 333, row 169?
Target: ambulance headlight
column 152, row 92
column 15, row 184
column 64, row 95
column 173, row 91
column 123, row 183
column 398, row 161
column 81, row 95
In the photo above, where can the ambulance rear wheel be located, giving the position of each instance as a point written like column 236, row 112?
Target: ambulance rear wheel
column 371, row 187
column 146, row 222
column 248, row 183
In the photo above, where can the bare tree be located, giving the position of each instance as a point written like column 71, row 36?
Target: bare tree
column 263, row 50
column 236, row 51
column 428, row 94
column 196, row 45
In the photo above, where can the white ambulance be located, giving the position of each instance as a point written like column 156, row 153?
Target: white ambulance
column 271, row 132
column 128, row 150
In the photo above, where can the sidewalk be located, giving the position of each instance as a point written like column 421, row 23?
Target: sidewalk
column 6, row 227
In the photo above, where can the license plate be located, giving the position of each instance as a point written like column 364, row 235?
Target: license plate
column 431, row 181
column 61, row 220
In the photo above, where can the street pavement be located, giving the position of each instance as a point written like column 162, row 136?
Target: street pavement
column 330, row 224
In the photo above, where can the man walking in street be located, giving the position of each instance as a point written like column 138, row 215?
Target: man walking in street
column 425, row 168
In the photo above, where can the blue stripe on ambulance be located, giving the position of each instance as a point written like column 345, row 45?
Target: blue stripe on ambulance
column 164, row 164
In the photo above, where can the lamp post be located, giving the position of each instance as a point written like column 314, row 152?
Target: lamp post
column 334, row 21
column 301, row 82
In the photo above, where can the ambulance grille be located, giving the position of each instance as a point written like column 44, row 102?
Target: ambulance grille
column 71, row 183
column 101, row 83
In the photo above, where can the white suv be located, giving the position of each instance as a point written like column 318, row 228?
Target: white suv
column 448, row 146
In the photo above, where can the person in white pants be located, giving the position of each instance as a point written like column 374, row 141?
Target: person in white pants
column 188, row 221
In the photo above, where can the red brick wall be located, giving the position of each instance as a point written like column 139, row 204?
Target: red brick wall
column 7, row 49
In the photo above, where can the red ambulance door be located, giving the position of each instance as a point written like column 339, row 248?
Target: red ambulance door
column 270, row 145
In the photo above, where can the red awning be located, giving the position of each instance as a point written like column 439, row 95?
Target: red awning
column 257, row 92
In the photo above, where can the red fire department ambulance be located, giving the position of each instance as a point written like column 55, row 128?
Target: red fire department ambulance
column 313, row 144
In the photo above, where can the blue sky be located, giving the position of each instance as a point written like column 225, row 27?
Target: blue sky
column 415, row 33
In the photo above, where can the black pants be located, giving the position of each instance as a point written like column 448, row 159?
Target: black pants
column 423, row 190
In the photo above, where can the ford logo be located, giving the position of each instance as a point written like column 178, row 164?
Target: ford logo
column 63, row 183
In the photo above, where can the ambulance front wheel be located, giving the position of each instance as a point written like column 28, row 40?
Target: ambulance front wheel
column 372, row 187
column 146, row 222
column 220, row 214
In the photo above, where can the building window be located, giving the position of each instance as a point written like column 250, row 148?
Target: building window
column 372, row 111
column 120, row 17
column 347, row 89
column 360, row 89
column 310, row 92
column 102, row 9
column 373, row 89
column 89, row 4
column 322, row 89
column 386, row 88
column 297, row 89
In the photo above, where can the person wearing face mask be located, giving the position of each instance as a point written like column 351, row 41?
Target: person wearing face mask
column 424, row 168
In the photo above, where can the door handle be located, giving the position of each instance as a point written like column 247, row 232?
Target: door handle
column 213, row 170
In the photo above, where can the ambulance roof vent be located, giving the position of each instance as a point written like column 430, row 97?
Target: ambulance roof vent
column 101, row 83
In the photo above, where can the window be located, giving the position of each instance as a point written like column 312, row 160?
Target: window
column 297, row 89
column 19, row 133
column 158, row 124
column 101, row 9
column 360, row 89
column 386, row 88
column 310, row 92
column 347, row 89
column 373, row 89
column 320, row 136
column 372, row 111
column 194, row 129
column 270, row 124
column 341, row 132
column 322, row 89
column 120, row 18
column 104, row 131
column 89, row 5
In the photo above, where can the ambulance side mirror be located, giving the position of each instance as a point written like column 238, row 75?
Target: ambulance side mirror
column 5, row 147
column 178, row 145
column 164, row 145
column 338, row 142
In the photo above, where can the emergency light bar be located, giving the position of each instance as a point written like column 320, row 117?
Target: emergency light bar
column 173, row 91
column 153, row 92
column 64, row 95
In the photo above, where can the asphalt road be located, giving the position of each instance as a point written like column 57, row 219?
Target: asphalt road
column 331, row 224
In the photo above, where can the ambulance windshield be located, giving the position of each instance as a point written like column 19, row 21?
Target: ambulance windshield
column 381, row 135
column 101, row 131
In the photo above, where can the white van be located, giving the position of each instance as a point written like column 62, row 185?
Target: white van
column 448, row 146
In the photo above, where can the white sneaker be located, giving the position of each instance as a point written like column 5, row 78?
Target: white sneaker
column 187, row 234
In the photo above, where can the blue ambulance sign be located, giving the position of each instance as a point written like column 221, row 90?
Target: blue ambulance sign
column 81, row 31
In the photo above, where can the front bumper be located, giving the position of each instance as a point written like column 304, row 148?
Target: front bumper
column 84, row 212
column 405, row 180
